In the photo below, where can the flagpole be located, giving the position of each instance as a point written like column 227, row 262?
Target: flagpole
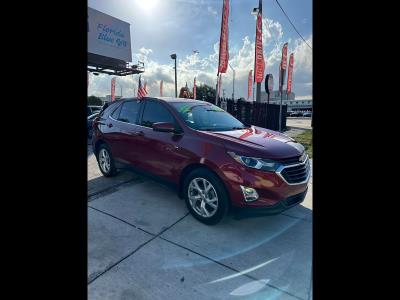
column 216, row 91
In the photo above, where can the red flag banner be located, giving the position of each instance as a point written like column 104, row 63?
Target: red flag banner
column 259, row 64
column 289, row 76
column 250, row 82
column 161, row 88
column 113, row 89
column 223, row 40
column 194, row 89
column 282, row 67
column 284, row 56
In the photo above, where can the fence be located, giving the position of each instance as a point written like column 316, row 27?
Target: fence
column 255, row 113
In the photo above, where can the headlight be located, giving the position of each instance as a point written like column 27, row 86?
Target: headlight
column 256, row 163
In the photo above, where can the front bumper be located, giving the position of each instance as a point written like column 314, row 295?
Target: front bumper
column 274, row 191
column 277, row 208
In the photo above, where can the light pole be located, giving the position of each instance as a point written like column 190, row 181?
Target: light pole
column 173, row 56
column 256, row 11
column 233, row 88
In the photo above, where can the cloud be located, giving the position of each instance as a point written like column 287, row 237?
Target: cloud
column 145, row 51
column 204, row 67
column 211, row 10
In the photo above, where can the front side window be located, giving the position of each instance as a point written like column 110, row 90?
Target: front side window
column 155, row 112
column 129, row 112
column 204, row 116
column 116, row 113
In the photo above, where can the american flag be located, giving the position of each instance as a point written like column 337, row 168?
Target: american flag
column 141, row 90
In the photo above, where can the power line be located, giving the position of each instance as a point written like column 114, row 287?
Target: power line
column 293, row 25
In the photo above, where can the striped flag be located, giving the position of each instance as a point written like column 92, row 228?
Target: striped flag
column 141, row 90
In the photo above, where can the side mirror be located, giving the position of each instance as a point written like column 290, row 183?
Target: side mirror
column 163, row 127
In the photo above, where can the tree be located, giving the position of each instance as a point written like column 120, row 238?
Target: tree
column 206, row 93
column 93, row 100
column 185, row 93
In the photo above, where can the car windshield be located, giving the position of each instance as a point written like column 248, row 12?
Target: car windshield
column 203, row 116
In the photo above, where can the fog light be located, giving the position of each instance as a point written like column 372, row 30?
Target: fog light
column 249, row 193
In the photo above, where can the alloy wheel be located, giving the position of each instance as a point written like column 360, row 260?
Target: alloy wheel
column 203, row 197
column 104, row 160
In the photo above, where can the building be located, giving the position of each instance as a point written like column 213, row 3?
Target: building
column 276, row 96
column 107, row 98
column 291, row 101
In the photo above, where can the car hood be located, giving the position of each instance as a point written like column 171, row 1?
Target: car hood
column 257, row 141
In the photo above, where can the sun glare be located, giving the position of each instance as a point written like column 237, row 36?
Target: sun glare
column 147, row 5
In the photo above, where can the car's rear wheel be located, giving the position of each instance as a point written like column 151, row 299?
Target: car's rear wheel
column 106, row 161
column 205, row 196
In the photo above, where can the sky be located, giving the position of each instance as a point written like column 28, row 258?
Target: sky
column 159, row 28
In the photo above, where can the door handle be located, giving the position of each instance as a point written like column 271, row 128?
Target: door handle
column 137, row 133
column 173, row 148
column 110, row 125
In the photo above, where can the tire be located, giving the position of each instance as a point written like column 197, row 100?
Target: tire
column 216, row 191
column 108, row 167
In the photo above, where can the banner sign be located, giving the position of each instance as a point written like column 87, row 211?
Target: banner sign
column 290, row 72
column 223, row 41
column 113, row 89
column 259, row 64
column 284, row 56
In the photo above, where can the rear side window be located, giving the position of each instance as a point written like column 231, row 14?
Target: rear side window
column 155, row 112
column 129, row 112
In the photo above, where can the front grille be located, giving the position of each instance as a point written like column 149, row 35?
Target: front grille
column 290, row 161
column 292, row 200
column 297, row 173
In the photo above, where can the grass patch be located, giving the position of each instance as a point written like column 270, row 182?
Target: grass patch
column 305, row 139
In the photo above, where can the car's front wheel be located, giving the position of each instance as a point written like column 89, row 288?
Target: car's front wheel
column 106, row 161
column 205, row 196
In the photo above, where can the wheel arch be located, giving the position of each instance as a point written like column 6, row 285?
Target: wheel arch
column 189, row 168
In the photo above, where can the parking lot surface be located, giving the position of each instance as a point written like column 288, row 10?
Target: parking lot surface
column 304, row 123
column 143, row 244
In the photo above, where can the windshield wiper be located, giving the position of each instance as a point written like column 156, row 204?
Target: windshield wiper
column 237, row 128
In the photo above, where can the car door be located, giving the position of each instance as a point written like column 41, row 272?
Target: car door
column 126, row 132
column 160, row 152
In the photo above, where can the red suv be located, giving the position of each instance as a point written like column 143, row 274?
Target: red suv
column 215, row 161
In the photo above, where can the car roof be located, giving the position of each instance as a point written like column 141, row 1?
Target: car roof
column 166, row 99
